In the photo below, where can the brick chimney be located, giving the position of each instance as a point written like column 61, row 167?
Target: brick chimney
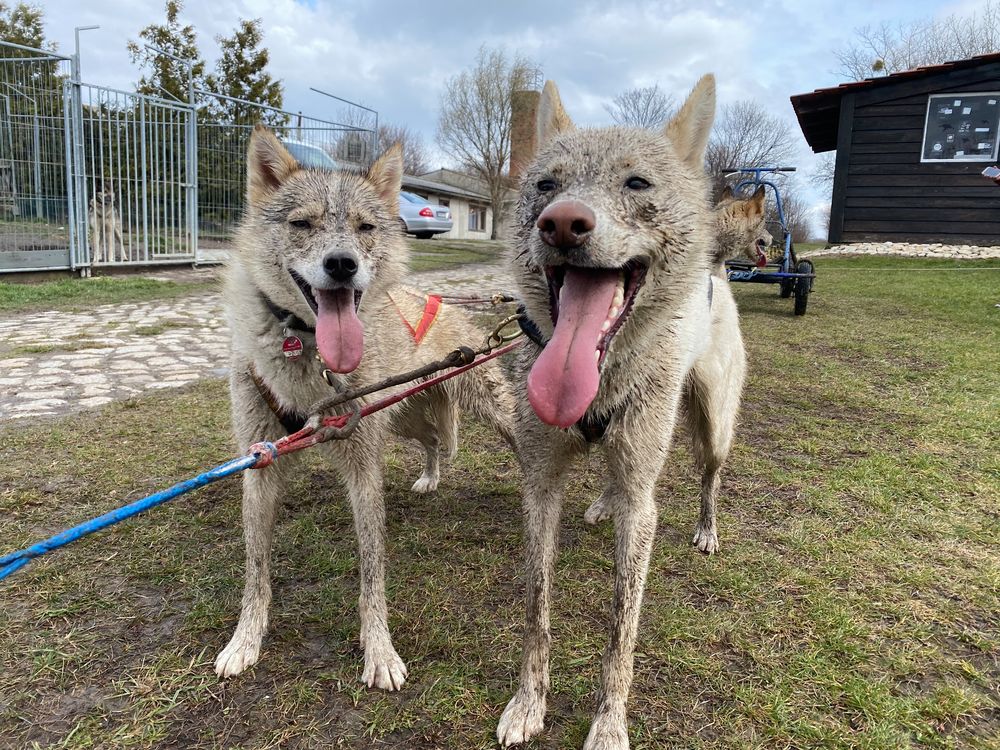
column 524, row 109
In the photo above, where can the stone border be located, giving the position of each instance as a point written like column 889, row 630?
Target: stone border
column 911, row 250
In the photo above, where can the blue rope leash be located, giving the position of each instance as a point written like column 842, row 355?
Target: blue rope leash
column 17, row 560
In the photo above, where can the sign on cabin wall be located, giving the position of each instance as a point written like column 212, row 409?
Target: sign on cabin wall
column 962, row 127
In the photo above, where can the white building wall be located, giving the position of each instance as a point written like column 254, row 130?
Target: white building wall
column 459, row 208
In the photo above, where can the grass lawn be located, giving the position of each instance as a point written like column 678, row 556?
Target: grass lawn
column 84, row 294
column 436, row 254
column 854, row 604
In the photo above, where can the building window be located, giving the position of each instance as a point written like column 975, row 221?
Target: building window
column 444, row 202
column 962, row 127
column 477, row 219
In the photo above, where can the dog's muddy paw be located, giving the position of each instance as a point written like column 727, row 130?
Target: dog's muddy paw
column 237, row 656
column 607, row 733
column 706, row 541
column 383, row 669
column 523, row 718
column 599, row 511
column 424, row 485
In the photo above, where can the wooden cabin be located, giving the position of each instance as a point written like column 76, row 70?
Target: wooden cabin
column 911, row 148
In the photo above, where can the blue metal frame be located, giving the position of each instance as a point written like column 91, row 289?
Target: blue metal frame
column 772, row 273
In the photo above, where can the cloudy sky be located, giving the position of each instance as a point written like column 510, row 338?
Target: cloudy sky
column 394, row 56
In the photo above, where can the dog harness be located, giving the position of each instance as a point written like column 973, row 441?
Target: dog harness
column 293, row 421
column 432, row 305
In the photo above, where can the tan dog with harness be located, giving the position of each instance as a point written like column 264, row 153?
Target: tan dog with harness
column 314, row 301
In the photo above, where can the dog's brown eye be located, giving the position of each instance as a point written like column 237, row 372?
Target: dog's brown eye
column 636, row 183
column 301, row 224
column 546, row 186
column 366, row 227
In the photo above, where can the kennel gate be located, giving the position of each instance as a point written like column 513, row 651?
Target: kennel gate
column 92, row 176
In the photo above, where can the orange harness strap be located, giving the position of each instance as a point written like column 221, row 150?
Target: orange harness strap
column 432, row 306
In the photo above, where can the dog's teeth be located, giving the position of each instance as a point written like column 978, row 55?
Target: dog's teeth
column 597, row 355
column 614, row 312
column 606, row 325
column 620, row 290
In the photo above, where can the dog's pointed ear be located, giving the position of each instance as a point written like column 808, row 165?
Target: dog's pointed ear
column 268, row 165
column 551, row 119
column 689, row 129
column 386, row 175
column 727, row 194
column 757, row 202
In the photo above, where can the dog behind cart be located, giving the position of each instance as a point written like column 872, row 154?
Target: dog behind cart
column 794, row 277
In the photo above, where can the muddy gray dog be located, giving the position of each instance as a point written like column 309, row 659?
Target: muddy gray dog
column 313, row 300
column 741, row 227
column 615, row 263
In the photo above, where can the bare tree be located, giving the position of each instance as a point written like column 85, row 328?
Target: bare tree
column 821, row 175
column 642, row 107
column 797, row 214
column 414, row 151
column 475, row 119
column 890, row 48
column 356, row 145
column 745, row 135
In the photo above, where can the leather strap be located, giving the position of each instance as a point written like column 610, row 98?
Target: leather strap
column 290, row 420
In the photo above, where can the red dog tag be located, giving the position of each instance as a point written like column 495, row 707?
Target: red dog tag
column 291, row 347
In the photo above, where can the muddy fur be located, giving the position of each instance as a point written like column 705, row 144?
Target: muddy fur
column 296, row 217
column 739, row 224
column 676, row 354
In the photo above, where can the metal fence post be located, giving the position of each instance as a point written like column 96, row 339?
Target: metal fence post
column 37, row 143
column 70, row 192
column 143, row 179
column 79, row 163
column 192, row 154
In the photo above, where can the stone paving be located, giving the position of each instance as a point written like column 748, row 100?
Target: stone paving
column 53, row 363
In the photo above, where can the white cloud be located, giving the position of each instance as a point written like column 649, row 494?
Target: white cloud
column 395, row 56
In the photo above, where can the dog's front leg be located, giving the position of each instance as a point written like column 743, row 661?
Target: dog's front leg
column 635, row 465
column 363, row 475
column 544, row 470
column 261, row 490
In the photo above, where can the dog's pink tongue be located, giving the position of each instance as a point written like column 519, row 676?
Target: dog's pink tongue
column 339, row 335
column 565, row 377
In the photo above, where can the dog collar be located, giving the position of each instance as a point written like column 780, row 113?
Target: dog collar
column 286, row 317
column 529, row 327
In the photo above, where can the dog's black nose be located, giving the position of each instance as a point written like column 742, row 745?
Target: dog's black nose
column 566, row 224
column 340, row 266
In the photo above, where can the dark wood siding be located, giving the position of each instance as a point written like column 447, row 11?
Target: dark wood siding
column 883, row 192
